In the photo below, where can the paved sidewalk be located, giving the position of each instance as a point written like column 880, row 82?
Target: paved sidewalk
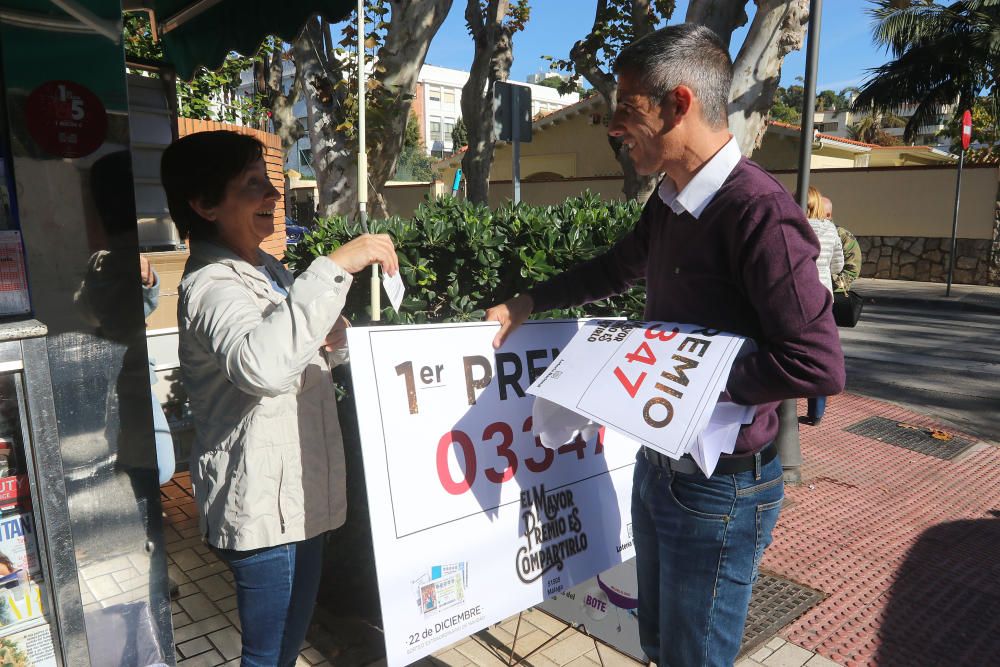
column 905, row 292
column 902, row 544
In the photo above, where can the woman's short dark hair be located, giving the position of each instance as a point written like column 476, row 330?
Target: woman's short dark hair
column 199, row 167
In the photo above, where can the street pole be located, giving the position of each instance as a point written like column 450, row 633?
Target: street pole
column 954, row 222
column 787, row 440
column 363, row 158
column 515, row 136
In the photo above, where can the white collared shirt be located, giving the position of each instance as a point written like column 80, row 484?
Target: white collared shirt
column 699, row 193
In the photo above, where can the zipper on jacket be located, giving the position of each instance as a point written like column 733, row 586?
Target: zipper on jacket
column 281, row 516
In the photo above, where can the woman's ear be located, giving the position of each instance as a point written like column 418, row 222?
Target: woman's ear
column 199, row 207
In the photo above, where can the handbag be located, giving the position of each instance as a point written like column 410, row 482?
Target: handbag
column 847, row 308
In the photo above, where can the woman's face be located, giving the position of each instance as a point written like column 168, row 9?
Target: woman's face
column 245, row 215
column 4, row 570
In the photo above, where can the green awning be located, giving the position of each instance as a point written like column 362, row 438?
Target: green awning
column 205, row 38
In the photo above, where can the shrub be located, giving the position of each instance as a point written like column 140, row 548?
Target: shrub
column 458, row 258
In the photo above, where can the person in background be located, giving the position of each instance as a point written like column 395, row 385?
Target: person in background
column 256, row 346
column 852, row 254
column 829, row 262
column 720, row 244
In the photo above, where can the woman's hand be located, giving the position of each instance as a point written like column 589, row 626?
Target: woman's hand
column 366, row 250
column 337, row 338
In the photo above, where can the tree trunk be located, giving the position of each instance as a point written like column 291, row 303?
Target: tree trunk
column 412, row 25
column 778, row 28
column 334, row 156
column 268, row 76
column 583, row 55
column 490, row 63
column 723, row 17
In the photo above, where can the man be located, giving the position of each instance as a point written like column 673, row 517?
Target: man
column 721, row 244
column 852, row 254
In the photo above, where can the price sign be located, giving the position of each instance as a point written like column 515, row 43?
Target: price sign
column 66, row 119
column 654, row 382
column 472, row 518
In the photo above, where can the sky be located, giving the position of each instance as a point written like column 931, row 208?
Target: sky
column 846, row 47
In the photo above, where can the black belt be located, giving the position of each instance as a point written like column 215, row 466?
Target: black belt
column 728, row 465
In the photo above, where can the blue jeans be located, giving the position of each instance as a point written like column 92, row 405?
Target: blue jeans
column 817, row 406
column 698, row 544
column 275, row 593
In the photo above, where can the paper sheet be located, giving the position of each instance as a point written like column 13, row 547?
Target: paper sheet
column 655, row 383
column 719, row 436
column 555, row 425
column 394, row 289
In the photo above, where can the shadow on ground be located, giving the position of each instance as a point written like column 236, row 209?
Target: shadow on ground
column 944, row 606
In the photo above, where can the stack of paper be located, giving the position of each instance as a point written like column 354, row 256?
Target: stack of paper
column 656, row 383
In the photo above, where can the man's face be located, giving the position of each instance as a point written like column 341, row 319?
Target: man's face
column 644, row 125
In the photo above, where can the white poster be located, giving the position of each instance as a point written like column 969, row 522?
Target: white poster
column 472, row 519
column 656, row 383
column 605, row 607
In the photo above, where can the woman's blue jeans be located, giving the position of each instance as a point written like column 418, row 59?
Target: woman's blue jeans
column 275, row 593
column 698, row 544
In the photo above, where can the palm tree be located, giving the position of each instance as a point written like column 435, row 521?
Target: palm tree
column 870, row 128
column 941, row 53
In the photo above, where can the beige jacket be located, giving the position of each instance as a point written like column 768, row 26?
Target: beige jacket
column 268, row 460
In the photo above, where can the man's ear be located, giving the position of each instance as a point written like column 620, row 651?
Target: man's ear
column 683, row 100
column 199, row 207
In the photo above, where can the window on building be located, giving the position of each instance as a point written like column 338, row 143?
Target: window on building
column 305, row 157
column 449, row 97
column 436, row 130
column 434, row 93
column 449, row 125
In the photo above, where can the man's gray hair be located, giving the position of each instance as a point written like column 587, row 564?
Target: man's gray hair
column 687, row 54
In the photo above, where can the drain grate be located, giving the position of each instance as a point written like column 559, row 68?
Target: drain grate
column 915, row 438
column 775, row 603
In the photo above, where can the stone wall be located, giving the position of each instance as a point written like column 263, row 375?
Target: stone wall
column 926, row 259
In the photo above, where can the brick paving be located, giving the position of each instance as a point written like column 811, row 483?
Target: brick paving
column 904, row 545
column 206, row 625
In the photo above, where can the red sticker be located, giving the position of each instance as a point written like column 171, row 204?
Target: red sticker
column 65, row 119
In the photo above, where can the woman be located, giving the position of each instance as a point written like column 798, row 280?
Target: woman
column 829, row 262
column 256, row 347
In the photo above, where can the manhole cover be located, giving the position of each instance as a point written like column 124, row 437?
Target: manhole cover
column 921, row 439
column 775, row 603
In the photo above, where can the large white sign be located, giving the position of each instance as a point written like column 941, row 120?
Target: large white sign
column 472, row 518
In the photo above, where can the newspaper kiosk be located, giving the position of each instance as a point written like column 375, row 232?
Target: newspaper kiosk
column 82, row 560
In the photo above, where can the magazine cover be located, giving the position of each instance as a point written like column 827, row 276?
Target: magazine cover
column 30, row 648
column 20, row 595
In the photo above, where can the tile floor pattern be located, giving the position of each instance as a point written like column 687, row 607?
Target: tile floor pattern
column 206, row 625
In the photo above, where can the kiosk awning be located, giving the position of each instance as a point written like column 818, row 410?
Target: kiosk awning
column 202, row 32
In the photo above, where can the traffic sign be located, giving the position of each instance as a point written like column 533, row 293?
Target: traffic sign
column 966, row 129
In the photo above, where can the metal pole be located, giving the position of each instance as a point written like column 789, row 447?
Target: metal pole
column 787, row 440
column 954, row 222
column 363, row 157
column 515, row 135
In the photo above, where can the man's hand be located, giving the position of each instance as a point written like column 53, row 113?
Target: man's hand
column 366, row 250
column 337, row 338
column 510, row 314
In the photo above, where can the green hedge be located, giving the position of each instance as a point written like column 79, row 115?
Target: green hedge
column 457, row 259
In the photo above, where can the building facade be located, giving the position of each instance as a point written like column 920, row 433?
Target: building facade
column 438, row 105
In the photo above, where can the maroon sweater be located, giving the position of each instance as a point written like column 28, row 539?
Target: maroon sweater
column 747, row 266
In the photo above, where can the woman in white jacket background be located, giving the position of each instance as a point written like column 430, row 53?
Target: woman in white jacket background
column 256, row 347
column 829, row 263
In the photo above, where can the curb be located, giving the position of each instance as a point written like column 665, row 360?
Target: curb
column 941, row 303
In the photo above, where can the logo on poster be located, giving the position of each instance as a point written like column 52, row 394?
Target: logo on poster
column 553, row 531
column 596, row 604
